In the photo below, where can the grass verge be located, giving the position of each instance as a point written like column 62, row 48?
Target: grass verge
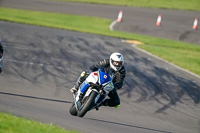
column 168, row 4
column 182, row 54
column 13, row 124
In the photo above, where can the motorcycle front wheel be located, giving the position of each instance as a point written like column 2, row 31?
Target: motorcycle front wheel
column 87, row 104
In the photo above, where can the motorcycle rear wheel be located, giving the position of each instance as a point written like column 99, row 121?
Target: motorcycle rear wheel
column 73, row 110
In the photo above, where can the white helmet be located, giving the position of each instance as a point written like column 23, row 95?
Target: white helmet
column 116, row 61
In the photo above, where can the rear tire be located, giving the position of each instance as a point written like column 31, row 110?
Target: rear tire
column 89, row 103
column 72, row 110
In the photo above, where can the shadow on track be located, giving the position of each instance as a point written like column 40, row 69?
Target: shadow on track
column 127, row 125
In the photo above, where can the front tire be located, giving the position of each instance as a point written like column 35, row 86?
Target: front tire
column 89, row 103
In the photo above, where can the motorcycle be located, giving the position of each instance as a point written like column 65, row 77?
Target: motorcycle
column 92, row 92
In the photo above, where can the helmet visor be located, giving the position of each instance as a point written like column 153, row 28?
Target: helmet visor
column 116, row 63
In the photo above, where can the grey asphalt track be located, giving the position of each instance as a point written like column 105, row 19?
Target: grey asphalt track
column 42, row 64
column 176, row 24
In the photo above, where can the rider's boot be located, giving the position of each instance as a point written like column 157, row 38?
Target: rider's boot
column 79, row 82
column 74, row 89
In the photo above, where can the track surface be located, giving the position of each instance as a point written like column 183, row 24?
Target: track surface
column 176, row 24
column 42, row 64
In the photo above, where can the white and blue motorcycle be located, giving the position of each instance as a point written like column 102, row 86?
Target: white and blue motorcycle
column 92, row 92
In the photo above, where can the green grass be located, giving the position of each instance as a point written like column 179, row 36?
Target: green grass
column 54, row 20
column 13, row 124
column 169, row 4
column 182, row 54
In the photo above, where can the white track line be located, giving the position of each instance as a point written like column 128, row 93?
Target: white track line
column 135, row 46
column 112, row 25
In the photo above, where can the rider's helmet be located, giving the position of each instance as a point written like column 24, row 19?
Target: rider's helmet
column 116, row 61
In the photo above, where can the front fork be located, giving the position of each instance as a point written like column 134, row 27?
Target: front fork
column 77, row 99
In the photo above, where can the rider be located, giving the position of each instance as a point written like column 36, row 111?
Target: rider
column 1, row 55
column 116, row 65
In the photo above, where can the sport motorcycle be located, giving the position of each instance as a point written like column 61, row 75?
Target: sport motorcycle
column 92, row 92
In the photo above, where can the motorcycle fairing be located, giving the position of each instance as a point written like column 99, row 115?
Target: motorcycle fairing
column 103, row 77
column 84, row 86
column 98, row 76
